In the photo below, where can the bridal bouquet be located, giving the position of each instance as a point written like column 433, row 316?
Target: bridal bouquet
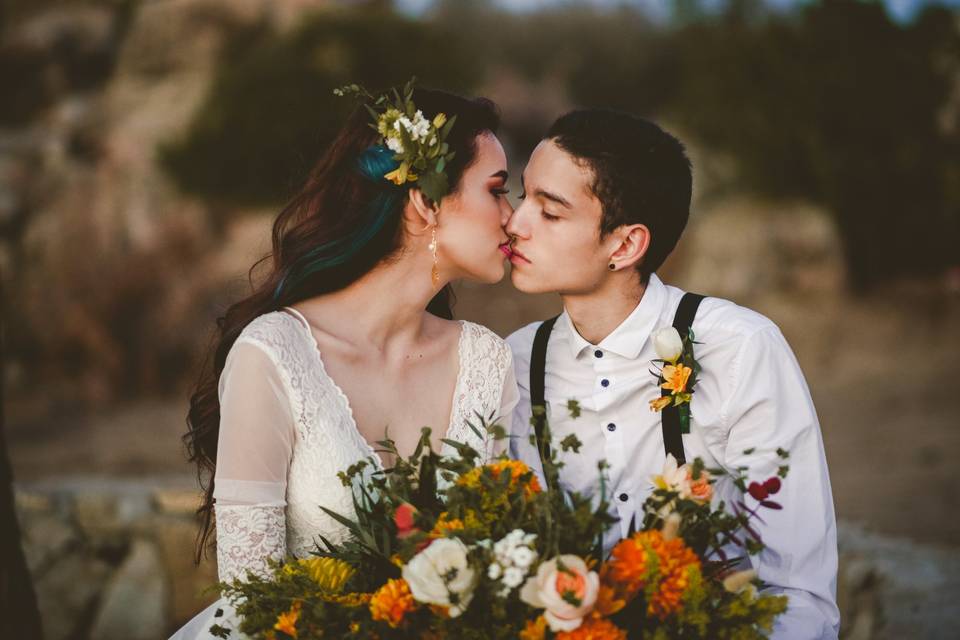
column 441, row 547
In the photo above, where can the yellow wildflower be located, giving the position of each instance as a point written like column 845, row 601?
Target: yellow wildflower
column 660, row 403
column 330, row 573
column 401, row 175
column 440, row 120
column 445, row 524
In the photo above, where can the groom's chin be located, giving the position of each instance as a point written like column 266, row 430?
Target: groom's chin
column 524, row 283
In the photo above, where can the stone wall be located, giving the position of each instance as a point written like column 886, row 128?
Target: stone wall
column 113, row 560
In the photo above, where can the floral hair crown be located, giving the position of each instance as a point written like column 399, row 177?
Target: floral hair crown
column 419, row 145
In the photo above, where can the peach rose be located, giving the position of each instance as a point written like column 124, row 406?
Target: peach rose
column 565, row 588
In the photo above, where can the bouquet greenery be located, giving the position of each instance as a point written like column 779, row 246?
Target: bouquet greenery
column 444, row 547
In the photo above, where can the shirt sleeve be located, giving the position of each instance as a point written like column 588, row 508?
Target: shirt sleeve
column 254, row 449
column 768, row 408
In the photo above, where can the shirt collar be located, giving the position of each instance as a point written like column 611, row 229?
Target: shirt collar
column 629, row 338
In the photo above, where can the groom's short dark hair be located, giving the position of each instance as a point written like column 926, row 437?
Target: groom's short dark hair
column 641, row 175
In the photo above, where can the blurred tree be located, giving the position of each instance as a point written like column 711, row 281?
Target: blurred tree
column 839, row 104
column 271, row 110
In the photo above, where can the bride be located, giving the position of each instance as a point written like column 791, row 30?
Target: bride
column 351, row 335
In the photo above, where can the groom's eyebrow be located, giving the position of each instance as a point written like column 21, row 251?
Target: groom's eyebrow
column 547, row 195
column 541, row 193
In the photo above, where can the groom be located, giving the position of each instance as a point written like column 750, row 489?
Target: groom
column 606, row 198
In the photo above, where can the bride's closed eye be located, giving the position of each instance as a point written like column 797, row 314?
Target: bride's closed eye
column 499, row 193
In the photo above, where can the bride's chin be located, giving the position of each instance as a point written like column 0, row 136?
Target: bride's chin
column 495, row 275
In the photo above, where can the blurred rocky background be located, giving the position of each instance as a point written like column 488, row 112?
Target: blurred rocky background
column 146, row 144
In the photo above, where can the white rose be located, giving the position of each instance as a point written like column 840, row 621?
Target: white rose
column 494, row 571
column 667, row 343
column 567, row 594
column 674, row 478
column 441, row 574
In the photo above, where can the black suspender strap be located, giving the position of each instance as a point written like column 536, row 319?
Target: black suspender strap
column 670, row 416
column 538, row 365
column 672, row 440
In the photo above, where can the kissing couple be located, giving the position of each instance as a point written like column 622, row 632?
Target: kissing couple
column 351, row 333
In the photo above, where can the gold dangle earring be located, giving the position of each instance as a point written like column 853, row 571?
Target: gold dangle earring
column 434, row 272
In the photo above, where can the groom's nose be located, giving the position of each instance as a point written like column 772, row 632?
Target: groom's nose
column 514, row 225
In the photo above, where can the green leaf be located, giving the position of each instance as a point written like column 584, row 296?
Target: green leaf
column 445, row 131
column 434, row 185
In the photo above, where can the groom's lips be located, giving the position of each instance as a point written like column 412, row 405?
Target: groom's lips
column 517, row 258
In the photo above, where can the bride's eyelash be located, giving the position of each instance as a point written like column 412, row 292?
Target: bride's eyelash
column 500, row 192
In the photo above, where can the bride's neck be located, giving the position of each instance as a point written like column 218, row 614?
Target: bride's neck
column 382, row 306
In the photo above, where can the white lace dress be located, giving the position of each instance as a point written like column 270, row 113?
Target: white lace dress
column 287, row 429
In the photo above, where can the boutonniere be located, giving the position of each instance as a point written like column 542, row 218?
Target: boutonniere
column 677, row 374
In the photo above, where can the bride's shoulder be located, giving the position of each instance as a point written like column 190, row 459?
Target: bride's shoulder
column 484, row 339
column 272, row 330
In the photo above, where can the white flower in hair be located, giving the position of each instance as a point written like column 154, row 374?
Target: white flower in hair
column 395, row 145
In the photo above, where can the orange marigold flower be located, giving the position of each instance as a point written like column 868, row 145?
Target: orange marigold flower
column 392, row 602
column 287, row 622
column 535, row 629
column 676, row 377
column 608, row 601
column 646, row 556
column 594, row 628
column 516, row 469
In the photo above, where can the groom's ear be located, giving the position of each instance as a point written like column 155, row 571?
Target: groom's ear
column 420, row 211
column 634, row 242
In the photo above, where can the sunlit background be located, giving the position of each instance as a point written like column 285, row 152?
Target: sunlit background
column 145, row 146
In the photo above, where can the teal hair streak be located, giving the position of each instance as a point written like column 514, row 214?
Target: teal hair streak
column 373, row 164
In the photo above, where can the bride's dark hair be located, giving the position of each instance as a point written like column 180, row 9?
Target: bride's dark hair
column 345, row 220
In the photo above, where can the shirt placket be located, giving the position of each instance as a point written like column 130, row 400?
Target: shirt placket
column 607, row 400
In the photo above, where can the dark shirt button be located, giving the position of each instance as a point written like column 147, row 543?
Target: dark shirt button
column 624, row 497
column 604, row 383
column 598, row 353
column 611, row 427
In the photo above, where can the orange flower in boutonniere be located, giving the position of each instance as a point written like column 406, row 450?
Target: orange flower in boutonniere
column 676, row 377
column 678, row 374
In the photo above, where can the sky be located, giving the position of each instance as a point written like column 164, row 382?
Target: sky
column 902, row 10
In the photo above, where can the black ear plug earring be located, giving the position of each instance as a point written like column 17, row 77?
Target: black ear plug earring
column 612, row 267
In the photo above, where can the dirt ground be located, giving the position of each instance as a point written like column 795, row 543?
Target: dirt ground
column 883, row 370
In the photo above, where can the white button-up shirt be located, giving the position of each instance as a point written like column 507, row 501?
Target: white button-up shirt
column 750, row 399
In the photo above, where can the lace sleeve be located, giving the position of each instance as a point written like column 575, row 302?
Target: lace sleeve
column 254, row 449
column 247, row 536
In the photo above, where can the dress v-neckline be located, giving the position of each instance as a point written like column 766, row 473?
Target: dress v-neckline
column 345, row 401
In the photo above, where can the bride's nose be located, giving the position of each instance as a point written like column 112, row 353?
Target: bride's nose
column 506, row 210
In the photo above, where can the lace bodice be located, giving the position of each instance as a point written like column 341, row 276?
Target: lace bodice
column 287, row 430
